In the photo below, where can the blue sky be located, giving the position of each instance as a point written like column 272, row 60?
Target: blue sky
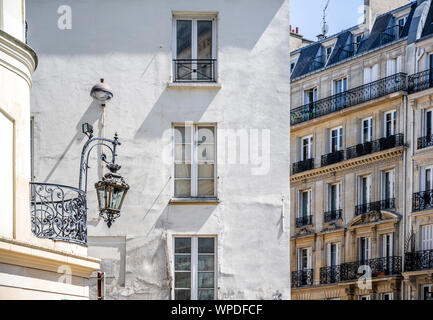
column 341, row 14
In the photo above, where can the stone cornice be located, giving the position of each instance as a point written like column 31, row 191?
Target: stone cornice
column 348, row 164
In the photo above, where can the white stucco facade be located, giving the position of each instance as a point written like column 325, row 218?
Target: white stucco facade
column 130, row 45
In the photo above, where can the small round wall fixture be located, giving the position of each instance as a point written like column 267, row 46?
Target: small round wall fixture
column 111, row 191
column 101, row 92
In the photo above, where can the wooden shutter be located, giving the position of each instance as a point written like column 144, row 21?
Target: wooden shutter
column 367, row 75
column 427, row 237
column 375, row 73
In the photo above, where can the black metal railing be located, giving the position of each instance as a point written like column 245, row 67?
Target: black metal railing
column 302, row 278
column 420, row 81
column 367, row 92
column 425, row 142
column 378, row 145
column 333, row 215
column 332, row 158
column 365, row 208
column 302, row 166
column 203, row 70
column 419, row 260
column 349, row 271
column 304, row 221
column 422, row 200
column 58, row 212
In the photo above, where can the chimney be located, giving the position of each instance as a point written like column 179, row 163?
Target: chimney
column 374, row 8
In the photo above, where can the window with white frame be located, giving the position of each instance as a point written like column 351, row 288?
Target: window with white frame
column 367, row 130
column 340, row 85
column 336, row 139
column 194, row 161
column 371, row 74
column 428, row 123
column 310, row 95
column 328, row 53
column 364, row 190
column 387, row 249
column 393, row 66
column 333, row 254
column 427, row 237
column 306, row 146
column 358, row 40
column 304, row 259
column 388, row 184
column 390, row 122
column 364, row 245
column 427, row 292
column 426, row 178
column 305, row 203
column 334, row 196
column 194, row 268
column 387, row 296
column 194, row 48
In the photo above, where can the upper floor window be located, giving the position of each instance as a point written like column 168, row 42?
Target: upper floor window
column 387, row 245
column 334, row 196
column 367, row 130
column 194, row 161
column 328, row 53
column 428, row 123
column 364, row 190
column 305, row 203
column 427, row 292
column 427, row 237
column 304, row 259
column 364, row 245
column 292, row 66
column 388, row 185
column 390, row 123
column 340, row 85
column 310, row 95
column 333, row 254
column 426, row 178
column 393, row 66
column 336, row 139
column 358, row 40
column 194, row 49
column 306, row 145
column 371, row 74
column 401, row 22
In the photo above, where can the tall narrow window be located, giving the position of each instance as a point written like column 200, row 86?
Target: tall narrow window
column 426, row 179
column 364, row 249
column 305, row 204
column 371, row 74
column 340, row 86
column 304, row 259
column 358, row 40
column 194, row 268
column 427, row 237
column 307, row 143
column 310, row 96
column 427, row 292
column 388, row 185
column 367, row 130
column 194, row 54
column 336, row 139
column 390, row 123
column 334, row 197
column 364, row 190
column 328, row 53
column 194, row 161
column 387, row 245
column 428, row 124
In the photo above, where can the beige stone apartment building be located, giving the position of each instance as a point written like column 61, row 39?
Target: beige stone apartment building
column 361, row 159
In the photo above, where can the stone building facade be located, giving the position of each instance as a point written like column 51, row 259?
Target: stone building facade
column 361, row 224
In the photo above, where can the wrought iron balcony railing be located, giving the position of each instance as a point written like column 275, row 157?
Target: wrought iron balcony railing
column 419, row 260
column 202, row 70
column 425, row 142
column 302, row 166
column 348, row 271
column 332, row 158
column 333, row 215
column 420, row 81
column 304, row 221
column 365, row 208
column 58, row 212
column 378, row 145
column 422, row 200
column 302, row 278
column 364, row 93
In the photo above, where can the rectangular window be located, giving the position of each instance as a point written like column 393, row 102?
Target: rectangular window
column 310, row 96
column 334, row 196
column 388, row 185
column 427, row 292
column 194, row 161
column 388, row 296
column 428, row 123
column 364, row 249
column 427, row 237
column 305, row 203
column 387, row 245
column 364, row 190
column 333, row 254
column 328, row 53
column 340, row 86
column 336, row 139
column 194, row 268
column 393, row 66
column 358, row 40
column 307, row 143
column 371, row 74
column 304, row 259
column 367, row 130
column 426, row 179
column 194, row 51
column 390, row 123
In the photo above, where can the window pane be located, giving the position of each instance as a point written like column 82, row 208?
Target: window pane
column 205, row 263
column 184, row 36
column 182, row 171
column 182, row 263
column 206, row 152
column 204, row 39
column 205, row 170
column 206, row 245
column 182, row 279
column 206, row 187
column 182, row 245
column 182, row 134
column 206, row 135
column 182, row 294
column 205, row 294
column 182, row 188
column 182, row 152
column 205, row 279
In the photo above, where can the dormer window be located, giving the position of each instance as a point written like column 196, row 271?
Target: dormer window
column 401, row 22
column 358, row 40
column 328, row 53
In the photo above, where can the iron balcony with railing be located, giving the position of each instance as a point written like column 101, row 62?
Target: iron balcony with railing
column 422, row 201
column 349, row 98
column 304, row 221
column 302, row 278
column 331, row 158
column 387, row 204
column 333, row 215
column 302, row 166
column 349, row 271
column 378, row 145
column 418, row 260
column 191, row 70
column 425, row 142
column 420, row 81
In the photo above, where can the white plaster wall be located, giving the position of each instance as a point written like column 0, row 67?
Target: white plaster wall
column 129, row 44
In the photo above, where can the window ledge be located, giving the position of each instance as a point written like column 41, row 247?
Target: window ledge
column 194, row 201
column 194, row 85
